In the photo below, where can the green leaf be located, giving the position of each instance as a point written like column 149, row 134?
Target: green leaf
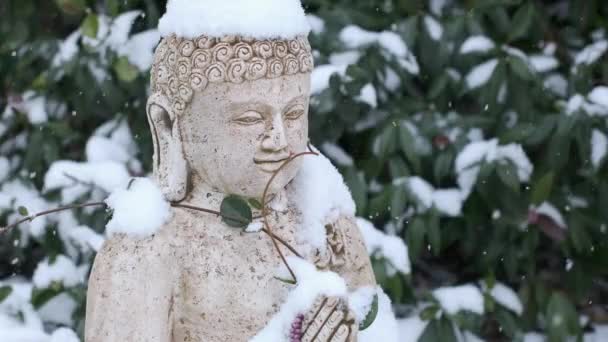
column 443, row 165
column 440, row 330
column 507, row 322
column 385, row 142
column 286, row 281
column 429, row 313
column 5, row 291
column 407, row 143
column 507, row 172
column 90, row 26
column 125, row 71
column 23, row 211
column 254, row 203
column 541, row 190
column 520, row 68
column 562, row 319
column 415, row 237
column 434, row 233
column 398, row 200
column 72, row 7
column 371, row 315
column 235, row 212
column 355, row 181
column 521, row 21
column 41, row 296
column 438, row 86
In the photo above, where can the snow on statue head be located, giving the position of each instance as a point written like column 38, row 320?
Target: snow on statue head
column 230, row 92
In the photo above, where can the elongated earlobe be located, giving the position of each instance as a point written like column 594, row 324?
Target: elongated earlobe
column 170, row 166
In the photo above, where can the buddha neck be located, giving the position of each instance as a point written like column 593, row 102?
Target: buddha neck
column 205, row 196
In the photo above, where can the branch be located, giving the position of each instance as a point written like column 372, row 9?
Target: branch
column 264, row 206
column 51, row 211
column 217, row 213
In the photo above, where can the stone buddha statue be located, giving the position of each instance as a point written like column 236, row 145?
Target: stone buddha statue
column 225, row 113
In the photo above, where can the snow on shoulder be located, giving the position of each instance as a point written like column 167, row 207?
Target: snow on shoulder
column 321, row 196
column 139, row 209
column 261, row 19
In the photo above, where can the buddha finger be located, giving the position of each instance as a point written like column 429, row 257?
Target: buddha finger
column 311, row 331
column 331, row 326
column 342, row 333
column 312, row 314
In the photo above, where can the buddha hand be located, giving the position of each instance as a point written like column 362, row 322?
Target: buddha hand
column 329, row 320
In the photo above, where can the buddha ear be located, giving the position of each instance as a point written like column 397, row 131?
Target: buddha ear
column 170, row 166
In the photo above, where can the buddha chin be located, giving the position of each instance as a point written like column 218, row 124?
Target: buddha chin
column 247, row 131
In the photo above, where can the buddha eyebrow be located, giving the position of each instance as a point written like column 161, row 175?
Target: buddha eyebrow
column 237, row 108
column 294, row 101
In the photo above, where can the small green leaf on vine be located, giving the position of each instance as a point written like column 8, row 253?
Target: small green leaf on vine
column 286, row 281
column 255, row 204
column 371, row 315
column 235, row 212
column 5, row 291
column 23, row 211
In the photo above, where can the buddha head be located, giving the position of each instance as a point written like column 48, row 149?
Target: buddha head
column 226, row 113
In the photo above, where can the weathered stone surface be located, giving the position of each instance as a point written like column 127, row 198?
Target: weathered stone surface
column 199, row 279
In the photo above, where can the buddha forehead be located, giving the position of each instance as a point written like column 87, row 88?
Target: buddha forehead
column 268, row 95
column 271, row 71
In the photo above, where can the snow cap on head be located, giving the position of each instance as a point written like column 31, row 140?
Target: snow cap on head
column 258, row 19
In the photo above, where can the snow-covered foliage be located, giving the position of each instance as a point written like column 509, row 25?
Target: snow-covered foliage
column 391, row 248
column 460, row 298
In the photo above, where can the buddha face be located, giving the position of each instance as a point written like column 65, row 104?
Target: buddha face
column 235, row 136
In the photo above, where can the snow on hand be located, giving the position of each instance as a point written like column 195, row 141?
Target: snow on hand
column 312, row 283
column 138, row 210
column 392, row 248
column 264, row 19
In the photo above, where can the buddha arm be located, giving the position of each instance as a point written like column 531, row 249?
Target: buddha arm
column 330, row 320
column 130, row 292
column 356, row 268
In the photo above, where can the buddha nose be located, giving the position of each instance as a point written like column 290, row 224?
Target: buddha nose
column 275, row 139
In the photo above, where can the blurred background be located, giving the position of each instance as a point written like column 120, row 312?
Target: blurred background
column 474, row 130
